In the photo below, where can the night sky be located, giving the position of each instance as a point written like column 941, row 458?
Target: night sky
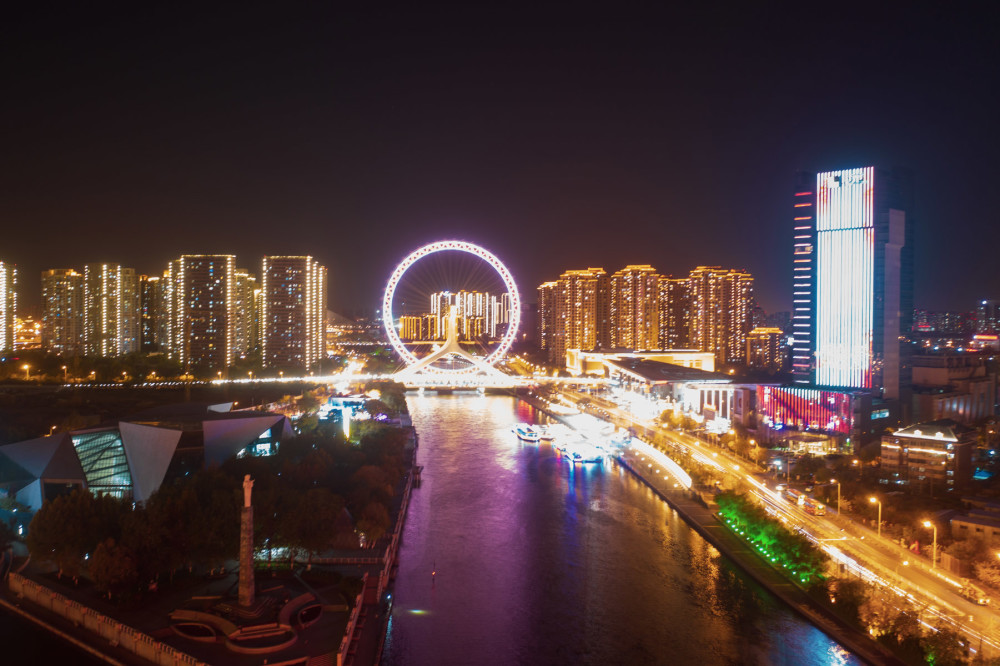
column 557, row 138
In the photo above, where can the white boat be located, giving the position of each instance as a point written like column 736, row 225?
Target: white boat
column 547, row 434
column 527, row 432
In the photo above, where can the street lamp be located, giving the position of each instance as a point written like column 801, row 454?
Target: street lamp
column 838, row 494
column 928, row 523
column 27, row 371
column 875, row 500
column 65, row 374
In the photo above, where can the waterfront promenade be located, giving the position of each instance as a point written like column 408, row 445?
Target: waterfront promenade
column 705, row 522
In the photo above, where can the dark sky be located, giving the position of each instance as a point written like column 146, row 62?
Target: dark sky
column 557, row 138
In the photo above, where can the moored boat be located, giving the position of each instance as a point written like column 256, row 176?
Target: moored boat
column 527, row 432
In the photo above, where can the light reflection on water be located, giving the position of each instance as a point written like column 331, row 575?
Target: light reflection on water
column 542, row 562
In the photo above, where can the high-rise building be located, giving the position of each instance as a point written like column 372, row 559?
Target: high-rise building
column 988, row 317
column 721, row 311
column 574, row 312
column 111, row 310
column 150, row 312
column 27, row 333
column 804, row 279
column 547, row 293
column 853, row 280
column 245, row 314
column 480, row 314
column 634, row 308
column 675, row 313
column 62, row 311
column 294, row 307
column 765, row 350
column 200, row 291
column 8, row 304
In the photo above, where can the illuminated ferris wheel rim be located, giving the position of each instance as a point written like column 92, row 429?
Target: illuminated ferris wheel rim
column 461, row 246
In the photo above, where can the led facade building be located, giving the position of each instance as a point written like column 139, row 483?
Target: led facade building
column 8, row 304
column 293, row 311
column 62, row 311
column 634, row 308
column 200, row 294
column 804, row 279
column 853, row 276
column 722, row 305
column 845, row 413
column 111, row 310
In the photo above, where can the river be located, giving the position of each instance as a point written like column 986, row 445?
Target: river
column 512, row 556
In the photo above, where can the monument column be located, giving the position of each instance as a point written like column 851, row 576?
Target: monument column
column 247, row 586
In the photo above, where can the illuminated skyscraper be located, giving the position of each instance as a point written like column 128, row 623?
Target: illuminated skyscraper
column 547, row 293
column 293, row 312
column 765, row 350
column 581, row 312
column 804, row 279
column 150, row 312
column 853, row 315
column 62, row 311
column 721, row 311
column 480, row 314
column 200, row 291
column 110, row 310
column 634, row 308
column 8, row 304
column 245, row 314
column 988, row 317
column 675, row 313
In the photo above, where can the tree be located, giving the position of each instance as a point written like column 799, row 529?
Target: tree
column 848, row 597
column 67, row 529
column 374, row 522
column 944, row 647
column 113, row 568
column 312, row 523
column 7, row 536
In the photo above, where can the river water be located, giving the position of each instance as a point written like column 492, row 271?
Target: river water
column 541, row 562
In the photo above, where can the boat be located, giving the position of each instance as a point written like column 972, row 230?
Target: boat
column 547, row 434
column 527, row 432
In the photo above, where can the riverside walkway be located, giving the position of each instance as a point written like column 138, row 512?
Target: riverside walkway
column 716, row 533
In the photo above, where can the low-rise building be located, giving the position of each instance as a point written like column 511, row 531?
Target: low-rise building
column 937, row 454
column 131, row 457
column 953, row 385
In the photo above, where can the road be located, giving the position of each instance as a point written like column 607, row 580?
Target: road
column 857, row 548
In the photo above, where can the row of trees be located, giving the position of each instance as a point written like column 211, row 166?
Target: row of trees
column 891, row 620
column 776, row 542
column 895, row 623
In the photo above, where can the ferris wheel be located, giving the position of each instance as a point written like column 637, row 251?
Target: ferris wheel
column 421, row 288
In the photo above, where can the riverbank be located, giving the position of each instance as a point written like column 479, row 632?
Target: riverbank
column 706, row 523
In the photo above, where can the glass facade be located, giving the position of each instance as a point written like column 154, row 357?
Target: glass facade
column 102, row 456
